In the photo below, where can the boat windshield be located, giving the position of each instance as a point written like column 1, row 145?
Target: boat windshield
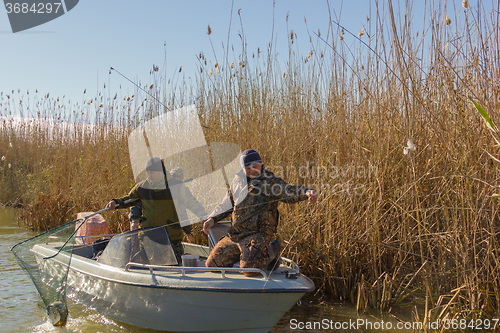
column 150, row 246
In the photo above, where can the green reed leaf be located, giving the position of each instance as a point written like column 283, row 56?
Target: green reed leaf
column 485, row 115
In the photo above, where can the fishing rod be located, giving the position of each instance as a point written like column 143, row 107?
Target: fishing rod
column 135, row 84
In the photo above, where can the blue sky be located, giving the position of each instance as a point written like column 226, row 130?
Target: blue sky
column 75, row 51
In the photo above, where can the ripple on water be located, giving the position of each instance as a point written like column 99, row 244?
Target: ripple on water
column 84, row 320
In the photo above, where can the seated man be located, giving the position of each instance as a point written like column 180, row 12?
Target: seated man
column 158, row 208
column 253, row 201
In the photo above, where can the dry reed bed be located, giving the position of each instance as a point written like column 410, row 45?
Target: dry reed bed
column 389, row 228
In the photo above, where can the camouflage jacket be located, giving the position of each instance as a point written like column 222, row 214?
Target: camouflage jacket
column 254, row 205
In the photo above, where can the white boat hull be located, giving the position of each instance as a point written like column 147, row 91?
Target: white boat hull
column 170, row 300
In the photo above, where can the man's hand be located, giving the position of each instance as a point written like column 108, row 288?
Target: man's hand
column 111, row 205
column 208, row 224
column 312, row 196
column 134, row 225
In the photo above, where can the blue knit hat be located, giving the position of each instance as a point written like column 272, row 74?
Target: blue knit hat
column 249, row 157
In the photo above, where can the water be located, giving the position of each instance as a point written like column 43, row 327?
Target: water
column 19, row 310
column 18, row 306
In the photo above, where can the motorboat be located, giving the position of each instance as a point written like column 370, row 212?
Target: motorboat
column 137, row 279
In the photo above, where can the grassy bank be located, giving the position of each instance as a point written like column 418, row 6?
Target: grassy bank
column 392, row 225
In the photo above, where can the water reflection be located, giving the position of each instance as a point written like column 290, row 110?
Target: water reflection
column 18, row 296
column 334, row 317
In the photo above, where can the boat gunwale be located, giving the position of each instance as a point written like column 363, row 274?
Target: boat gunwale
column 169, row 287
column 223, row 270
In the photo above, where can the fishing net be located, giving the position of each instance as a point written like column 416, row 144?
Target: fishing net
column 49, row 273
column 47, row 259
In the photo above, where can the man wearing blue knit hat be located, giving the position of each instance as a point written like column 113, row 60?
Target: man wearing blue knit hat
column 252, row 202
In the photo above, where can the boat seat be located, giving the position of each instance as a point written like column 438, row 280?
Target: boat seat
column 218, row 231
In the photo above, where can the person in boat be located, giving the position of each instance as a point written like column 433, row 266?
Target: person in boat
column 252, row 200
column 157, row 200
column 136, row 210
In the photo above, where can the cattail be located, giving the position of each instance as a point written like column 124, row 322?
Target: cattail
column 217, row 72
column 284, row 74
column 465, row 4
column 151, row 86
column 210, row 73
column 90, row 101
column 216, row 64
column 309, row 55
column 209, row 31
column 232, row 65
column 447, row 20
column 362, row 32
column 341, row 37
column 3, row 158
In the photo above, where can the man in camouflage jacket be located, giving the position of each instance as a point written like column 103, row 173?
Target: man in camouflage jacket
column 253, row 202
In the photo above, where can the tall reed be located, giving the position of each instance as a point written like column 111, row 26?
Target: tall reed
column 389, row 227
